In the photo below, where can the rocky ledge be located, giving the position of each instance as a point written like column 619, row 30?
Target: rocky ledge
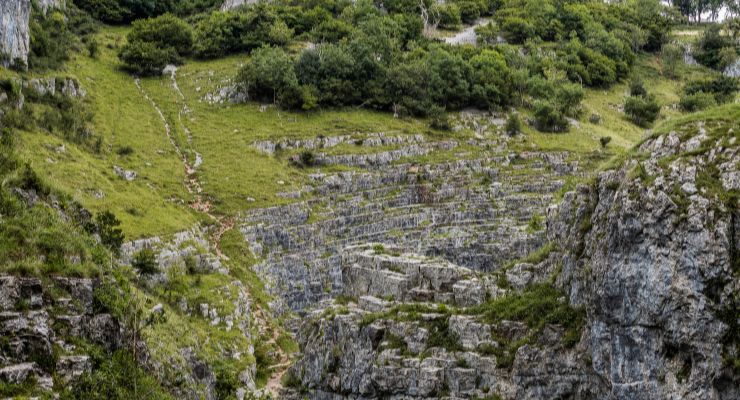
column 635, row 296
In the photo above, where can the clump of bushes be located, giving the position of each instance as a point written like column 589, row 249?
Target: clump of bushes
column 145, row 262
column 714, row 49
column 641, row 107
column 513, row 125
column 154, row 43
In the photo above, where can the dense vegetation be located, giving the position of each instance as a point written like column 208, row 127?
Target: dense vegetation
column 361, row 55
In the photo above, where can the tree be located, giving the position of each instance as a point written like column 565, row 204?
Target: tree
column 490, row 84
column 108, row 228
column 269, row 75
column 710, row 49
column 671, row 56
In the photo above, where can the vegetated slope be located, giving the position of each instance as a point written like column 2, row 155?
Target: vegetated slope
column 237, row 215
column 644, row 257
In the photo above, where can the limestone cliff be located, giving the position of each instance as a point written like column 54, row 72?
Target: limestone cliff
column 652, row 255
column 644, row 257
column 14, row 31
column 15, row 36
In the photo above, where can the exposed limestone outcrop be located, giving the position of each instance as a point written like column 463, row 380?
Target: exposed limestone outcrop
column 15, row 35
column 653, row 257
column 384, row 344
column 14, row 31
column 232, row 4
column 473, row 212
column 36, row 316
column 648, row 252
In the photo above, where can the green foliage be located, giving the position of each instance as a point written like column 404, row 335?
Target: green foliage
column 696, row 101
column 223, row 33
column 108, row 227
column 269, row 76
column 441, row 336
column 118, row 377
column 671, row 55
column 124, row 11
column 641, row 107
column 145, row 262
column 513, row 125
column 156, row 42
column 715, row 50
column 448, row 15
column 722, row 88
column 517, row 30
column 537, row 306
column 55, row 35
column 548, row 118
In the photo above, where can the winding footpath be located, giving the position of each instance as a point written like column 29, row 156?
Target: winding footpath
column 223, row 223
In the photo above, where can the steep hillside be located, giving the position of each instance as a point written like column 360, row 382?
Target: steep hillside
column 203, row 199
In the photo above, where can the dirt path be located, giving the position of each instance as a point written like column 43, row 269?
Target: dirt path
column 224, row 224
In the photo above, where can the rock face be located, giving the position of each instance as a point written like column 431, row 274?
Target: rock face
column 14, row 31
column 37, row 316
column 648, row 252
column 15, row 36
column 654, row 261
column 381, row 347
column 474, row 211
column 232, row 4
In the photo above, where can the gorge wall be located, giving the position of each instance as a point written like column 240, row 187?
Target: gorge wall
column 14, row 31
column 634, row 297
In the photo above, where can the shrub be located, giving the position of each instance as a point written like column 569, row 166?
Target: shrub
column 604, row 141
column 280, row 34
column 672, row 56
column 548, row 118
column 143, row 58
column 449, row 15
column 108, row 228
column 307, row 158
column 642, row 110
column 696, row 101
column 116, row 377
column 145, row 262
column 156, row 42
column 269, row 75
column 723, row 88
column 711, row 51
column 92, row 48
column 513, row 125
column 125, row 151
column 637, row 88
column 517, row 30
column 469, row 11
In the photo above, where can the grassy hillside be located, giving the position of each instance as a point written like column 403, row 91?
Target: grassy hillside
column 234, row 175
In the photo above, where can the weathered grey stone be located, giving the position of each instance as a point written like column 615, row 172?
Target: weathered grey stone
column 14, row 31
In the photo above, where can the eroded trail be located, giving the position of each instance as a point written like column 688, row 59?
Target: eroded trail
column 223, row 223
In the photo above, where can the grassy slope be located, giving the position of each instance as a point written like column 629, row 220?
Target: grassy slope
column 153, row 203
column 233, row 171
